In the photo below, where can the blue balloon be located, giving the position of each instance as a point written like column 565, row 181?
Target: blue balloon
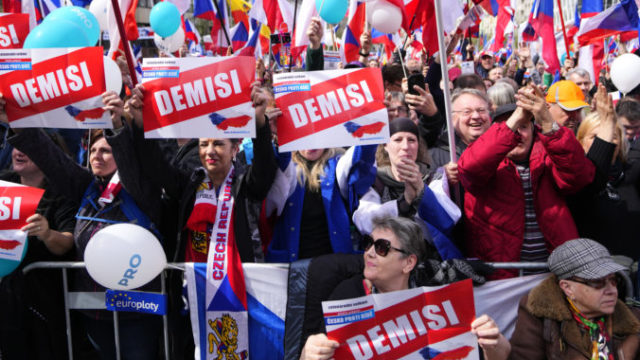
column 56, row 34
column 81, row 17
column 332, row 11
column 164, row 19
column 7, row 266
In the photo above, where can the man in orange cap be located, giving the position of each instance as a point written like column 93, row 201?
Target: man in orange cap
column 566, row 101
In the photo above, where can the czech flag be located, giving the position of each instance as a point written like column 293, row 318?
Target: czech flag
column 615, row 20
column 491, row 6
column 239, row 36
column 250, row 47
column 541, row 19
column 355, row 28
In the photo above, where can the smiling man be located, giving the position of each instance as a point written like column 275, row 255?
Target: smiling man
column 566, row 102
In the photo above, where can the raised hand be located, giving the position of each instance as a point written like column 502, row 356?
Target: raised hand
column 115, row 105
column 423, row 102
column 133, row 106
column 315, row 33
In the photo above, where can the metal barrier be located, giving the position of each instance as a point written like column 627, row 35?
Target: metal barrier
column 77, row 300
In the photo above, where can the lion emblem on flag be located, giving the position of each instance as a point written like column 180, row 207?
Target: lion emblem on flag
column 225, row 338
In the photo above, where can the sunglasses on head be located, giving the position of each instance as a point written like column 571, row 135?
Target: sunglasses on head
column 598, row 284
column 381, row 246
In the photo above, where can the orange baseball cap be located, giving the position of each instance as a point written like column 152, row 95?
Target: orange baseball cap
column 567, row 95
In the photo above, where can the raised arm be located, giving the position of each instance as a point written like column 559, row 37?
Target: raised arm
column 153, row 163
column 145, row 192
column 261, row 173
column 63, row 174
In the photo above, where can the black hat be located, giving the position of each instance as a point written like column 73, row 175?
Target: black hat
column 503, row 112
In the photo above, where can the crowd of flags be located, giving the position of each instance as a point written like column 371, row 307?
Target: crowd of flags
column 247, row 25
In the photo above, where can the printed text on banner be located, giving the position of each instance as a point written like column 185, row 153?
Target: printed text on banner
column 17, row 203
column 14, row 28
column 420, row 323
column 198, row 97
column 54, row 88
column 331, row 108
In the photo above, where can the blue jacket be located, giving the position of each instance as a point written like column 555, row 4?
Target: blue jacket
column 345, row 179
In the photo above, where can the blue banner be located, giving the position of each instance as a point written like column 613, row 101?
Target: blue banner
column 134, row 301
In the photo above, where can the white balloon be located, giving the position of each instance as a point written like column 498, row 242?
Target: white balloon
column 385, row 17
column 182, row 5
column 170, row 43
column 625, row 72
column 124, row 257
column 99, row 9
column 112, row 75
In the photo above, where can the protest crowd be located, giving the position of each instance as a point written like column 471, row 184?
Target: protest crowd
column 362, row 171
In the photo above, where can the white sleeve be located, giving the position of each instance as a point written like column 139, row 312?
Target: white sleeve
column 283, row 187
column 370, row 208
column 343, row 168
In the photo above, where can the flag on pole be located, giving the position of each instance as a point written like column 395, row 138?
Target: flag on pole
column 353, row 31
column 615, row 20
column 541, row 19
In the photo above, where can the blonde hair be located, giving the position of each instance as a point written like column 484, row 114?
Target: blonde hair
column 591, row 121
column 311, row 177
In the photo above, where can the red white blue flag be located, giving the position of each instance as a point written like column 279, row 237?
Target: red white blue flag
column 355, row 27
column 330, row 109
column 615, row 20
column 541, row 19
column 196, row 97
column 54, row 88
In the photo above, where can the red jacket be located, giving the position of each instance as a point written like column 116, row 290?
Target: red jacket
column 494, row 198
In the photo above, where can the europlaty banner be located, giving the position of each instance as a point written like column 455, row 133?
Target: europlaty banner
column 334, row 108
column 17, row 203
column 421, row 323
column 54, row 88
column 14, row 28
column 198, row 97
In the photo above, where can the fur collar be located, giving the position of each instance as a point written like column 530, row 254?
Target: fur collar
column 548, row 301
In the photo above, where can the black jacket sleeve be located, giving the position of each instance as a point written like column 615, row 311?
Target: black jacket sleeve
column 434, row 75
column 600, row 153
column 431, row 127
column 146, row 194
column 314, row 59
column 262, row 172
column 157, row 168
column 64, row 175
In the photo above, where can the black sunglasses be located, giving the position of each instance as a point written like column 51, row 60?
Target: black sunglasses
column 381, row 246
column 598, row 284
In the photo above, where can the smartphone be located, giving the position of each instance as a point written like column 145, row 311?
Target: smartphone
column 415, row 79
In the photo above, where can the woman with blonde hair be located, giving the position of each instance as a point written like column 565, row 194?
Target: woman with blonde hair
column 607, row 211
column 314, row 194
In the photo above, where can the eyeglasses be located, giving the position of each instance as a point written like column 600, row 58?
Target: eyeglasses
column 468, row 112
column 381, row 246
column 399, row 109
column 598, row 284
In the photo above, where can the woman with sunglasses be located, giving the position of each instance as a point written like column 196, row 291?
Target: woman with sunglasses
column 392, row 252
column 575, row 313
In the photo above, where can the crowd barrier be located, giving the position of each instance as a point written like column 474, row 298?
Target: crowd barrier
column 96, row 300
